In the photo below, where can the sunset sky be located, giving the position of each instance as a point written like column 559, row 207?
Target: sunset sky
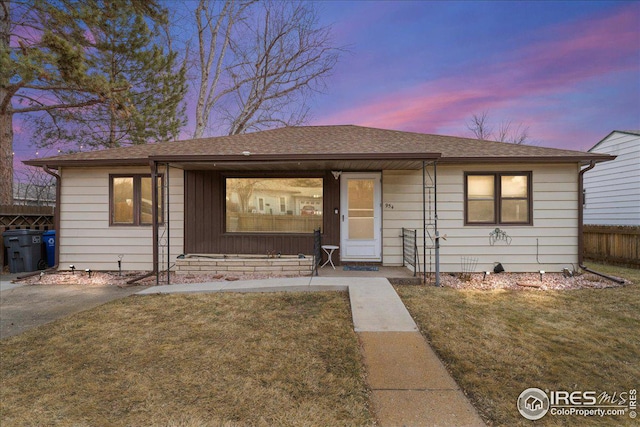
column 569, row 70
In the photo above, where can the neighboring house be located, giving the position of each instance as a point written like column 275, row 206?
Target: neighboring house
column 361, row 185
column 612, row 190
column 27, row 194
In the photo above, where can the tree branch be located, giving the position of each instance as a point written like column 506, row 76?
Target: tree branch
column 57, row 106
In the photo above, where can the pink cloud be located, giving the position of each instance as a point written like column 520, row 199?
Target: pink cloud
column 565, row 57
column 430, row 106
column 582, row 50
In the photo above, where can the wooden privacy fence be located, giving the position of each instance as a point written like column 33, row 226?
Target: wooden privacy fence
column 612, row 244
column 23, row 218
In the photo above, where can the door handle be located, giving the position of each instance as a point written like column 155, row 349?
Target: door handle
column 342, row 218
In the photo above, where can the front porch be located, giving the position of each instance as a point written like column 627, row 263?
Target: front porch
column 395, row 275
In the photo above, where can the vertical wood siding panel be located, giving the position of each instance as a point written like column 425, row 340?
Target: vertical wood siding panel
column 205, row 223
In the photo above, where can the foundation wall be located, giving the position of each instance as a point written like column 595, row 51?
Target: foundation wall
column 240, row 266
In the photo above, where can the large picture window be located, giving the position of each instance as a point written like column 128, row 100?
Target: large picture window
column 273, row 205
column 498, row 198
column 131, row 200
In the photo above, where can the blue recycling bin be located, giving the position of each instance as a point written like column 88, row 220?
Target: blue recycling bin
column 49, row 240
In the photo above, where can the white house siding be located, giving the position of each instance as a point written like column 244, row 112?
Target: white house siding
column 555, row 218
column 86, row 239
column 401, row 207
column 612, row 188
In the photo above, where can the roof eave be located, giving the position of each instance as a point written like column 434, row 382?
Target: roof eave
column 529, row 159
column 251, row 158
column 56, row 163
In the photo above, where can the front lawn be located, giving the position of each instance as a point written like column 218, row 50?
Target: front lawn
column 190, row 360
column 498, row 343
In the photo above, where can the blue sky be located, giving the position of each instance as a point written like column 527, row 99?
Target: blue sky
column 569, row 70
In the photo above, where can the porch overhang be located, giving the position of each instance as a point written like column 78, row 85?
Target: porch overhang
column 293, row 162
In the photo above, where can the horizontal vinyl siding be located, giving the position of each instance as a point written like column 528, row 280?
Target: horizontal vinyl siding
column 85, row 237
column 550, row 244
column 402, row 207
column 613, row 188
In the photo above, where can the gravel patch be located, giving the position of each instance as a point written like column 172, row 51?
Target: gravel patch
column 100, row 278
column 477, row 281
column 527, row 281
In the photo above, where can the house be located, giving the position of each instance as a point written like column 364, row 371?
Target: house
column 612, row 190
column 265, row 192
column 29, row 194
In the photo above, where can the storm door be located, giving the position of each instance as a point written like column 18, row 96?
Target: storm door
column 360, row 219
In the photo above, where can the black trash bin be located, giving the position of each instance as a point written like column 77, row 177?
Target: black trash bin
column 24, row 250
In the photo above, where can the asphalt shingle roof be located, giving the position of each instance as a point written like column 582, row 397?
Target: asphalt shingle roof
column 337, row 141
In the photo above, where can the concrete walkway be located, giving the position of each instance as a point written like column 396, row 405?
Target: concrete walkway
column 410, row 385
column 23, row 307
column 6, row 281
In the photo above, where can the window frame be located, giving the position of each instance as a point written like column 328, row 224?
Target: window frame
column 497, row 208
column 223, row 198
column 137, row 200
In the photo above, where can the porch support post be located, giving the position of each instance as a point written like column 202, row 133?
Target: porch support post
column 167, row 218
column 154, row 217
column 435, row 220
column 431, row 219
column 424, row 222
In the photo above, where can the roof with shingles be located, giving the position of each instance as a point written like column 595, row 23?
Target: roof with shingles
column 326, row 142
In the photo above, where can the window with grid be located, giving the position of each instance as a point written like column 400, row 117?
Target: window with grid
column 131, row 201
column 499, row 198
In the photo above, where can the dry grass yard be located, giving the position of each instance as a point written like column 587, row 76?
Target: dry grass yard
column 497, row 343
column 190, row 360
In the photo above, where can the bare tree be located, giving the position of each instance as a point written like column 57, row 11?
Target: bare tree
column 479, row 126
column 215, row 22
column 286, row 61
column 34, row 187
column 244, row 189
column 518, row 135
column 259, row 63
column 481, row 129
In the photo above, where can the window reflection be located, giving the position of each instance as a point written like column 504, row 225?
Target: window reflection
column 123, row 200
column 273, row 205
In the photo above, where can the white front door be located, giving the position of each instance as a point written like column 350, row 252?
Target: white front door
column 360, row 219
